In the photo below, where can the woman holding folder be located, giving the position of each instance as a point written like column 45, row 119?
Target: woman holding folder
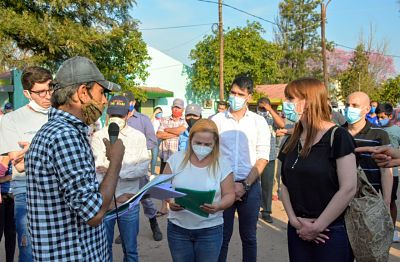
column 195, row 226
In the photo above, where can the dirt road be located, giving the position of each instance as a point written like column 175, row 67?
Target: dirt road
column 272, row 245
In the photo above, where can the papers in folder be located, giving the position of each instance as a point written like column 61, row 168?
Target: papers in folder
column 157, row 188
column 194, row 199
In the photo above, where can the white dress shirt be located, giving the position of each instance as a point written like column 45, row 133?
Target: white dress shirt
column 134, row 164
column 243, row 142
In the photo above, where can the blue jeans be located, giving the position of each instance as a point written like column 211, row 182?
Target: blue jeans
column 248, row 210
column 197, row 245
column 21, row 226
column 336, row 248
column 154, row 156
column 128, row 229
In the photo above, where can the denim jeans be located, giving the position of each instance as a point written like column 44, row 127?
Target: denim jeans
column 154, row 156
column 267, row 183
column 336, row 248
column 128, row 229
column 248, row 210
column 21, row 225
column 194, row 245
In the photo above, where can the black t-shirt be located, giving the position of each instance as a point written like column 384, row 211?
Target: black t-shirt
column 370, row 135
column 313, row 180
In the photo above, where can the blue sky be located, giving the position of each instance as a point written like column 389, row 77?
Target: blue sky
column 347, row 21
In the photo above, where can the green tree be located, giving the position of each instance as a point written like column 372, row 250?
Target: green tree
column 390, row 91
column 358, row 77
column 246, row 52
column 47, row 32
column 297, row 33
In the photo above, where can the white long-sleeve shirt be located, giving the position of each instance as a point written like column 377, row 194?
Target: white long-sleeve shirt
column 243, row 142
column 134, row 164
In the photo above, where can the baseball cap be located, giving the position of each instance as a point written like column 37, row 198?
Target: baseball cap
column 78, row 70
column 193, row 109
column 178, row 103
column 118, row 105
column 8, row 106
column 129, row 95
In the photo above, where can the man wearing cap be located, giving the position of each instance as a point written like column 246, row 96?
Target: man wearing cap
column 17, row 129
column 66, row 204
column 143, row 124
column 134, row 166
column 169, row 131
column 8, row 108
column 192, row 114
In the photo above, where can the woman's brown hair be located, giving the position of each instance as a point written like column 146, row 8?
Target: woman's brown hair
column 203, row 125
column 316, row 111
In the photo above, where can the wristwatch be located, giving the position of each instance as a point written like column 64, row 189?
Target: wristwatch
column 246, row 185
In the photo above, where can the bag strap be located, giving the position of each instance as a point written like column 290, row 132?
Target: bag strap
column 333, row 135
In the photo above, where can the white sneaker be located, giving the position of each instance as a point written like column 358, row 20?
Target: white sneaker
column 396, row 238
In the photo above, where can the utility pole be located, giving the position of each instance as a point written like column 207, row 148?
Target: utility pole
column 221, row 52
column 323, row 44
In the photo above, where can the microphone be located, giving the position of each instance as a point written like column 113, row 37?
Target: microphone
column 113, row 132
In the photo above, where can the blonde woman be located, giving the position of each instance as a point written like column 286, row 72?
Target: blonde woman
column 319, row 180
column 192, row 237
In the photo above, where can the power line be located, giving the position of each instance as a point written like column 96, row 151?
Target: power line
column 376, row 53
column 240, row 10
column 186, row 42
column 260, row 18
column 174, row 27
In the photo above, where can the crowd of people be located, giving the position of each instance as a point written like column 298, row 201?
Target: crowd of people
column 58, row 182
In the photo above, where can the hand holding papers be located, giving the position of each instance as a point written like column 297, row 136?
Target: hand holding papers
column 193, row 199
column 156, row 188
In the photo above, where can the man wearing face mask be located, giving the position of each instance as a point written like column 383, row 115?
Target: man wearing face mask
column 192, row 114
column 169, row 131
column 17, row 129
column 274, row 121
column 384, row 113
column 143, row 124
column 366, row 134
column 134, row 166
column 66, row 204
column 245, row 141
column 372, row 116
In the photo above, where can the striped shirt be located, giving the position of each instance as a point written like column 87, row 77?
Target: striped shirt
column 370, row 135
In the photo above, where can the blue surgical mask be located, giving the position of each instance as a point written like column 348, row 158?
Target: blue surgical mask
column 289, row 111
column 384, row 122
column 131, row 108
column 352, row 114
column 263, row 114
column 236, row 103
column 158, row 115
column 372, row 111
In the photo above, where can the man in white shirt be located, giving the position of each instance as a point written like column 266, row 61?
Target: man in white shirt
column 17, row 129
column 134, row 166
column 245, row 141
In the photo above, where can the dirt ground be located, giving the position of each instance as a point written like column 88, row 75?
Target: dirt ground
column 271, row 238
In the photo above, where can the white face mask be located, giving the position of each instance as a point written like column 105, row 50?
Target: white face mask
column 119, row 121
column 236, row 103
column 202, row 151
column 37, row 108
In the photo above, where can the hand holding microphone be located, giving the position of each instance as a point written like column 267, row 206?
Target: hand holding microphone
column 114, row 147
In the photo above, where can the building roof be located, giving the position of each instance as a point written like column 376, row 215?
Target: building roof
column 156, row 92
column 276, row 91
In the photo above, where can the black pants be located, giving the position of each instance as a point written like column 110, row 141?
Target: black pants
column 162, row 166
column 7, row 225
